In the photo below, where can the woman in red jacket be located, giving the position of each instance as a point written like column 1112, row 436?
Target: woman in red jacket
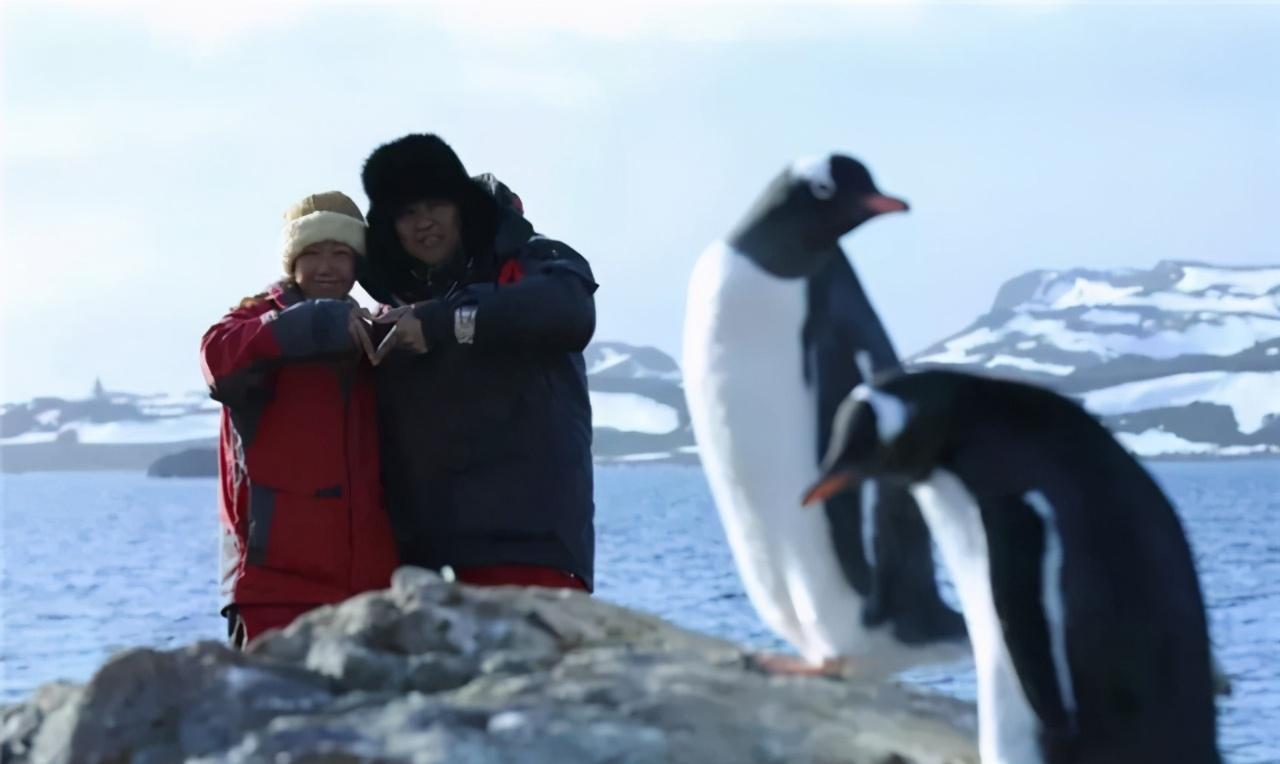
column 299, row 490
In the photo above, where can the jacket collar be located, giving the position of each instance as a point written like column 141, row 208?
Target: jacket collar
column 284, row 293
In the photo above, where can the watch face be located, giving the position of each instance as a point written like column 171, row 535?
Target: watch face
column 464, row 324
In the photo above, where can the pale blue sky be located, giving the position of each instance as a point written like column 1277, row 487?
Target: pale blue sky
column 147, row 155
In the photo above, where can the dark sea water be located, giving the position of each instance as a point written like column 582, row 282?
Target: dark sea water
column 94, row 562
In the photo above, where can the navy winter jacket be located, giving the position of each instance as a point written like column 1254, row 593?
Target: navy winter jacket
column 486, row 447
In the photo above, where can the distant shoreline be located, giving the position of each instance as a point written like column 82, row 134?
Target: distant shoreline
column 117, row 463
column 139, row 457
column 90, row 457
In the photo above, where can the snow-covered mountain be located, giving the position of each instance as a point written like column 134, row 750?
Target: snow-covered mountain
column 111, row 418
column 637, row 402
column 637, row 405
column 107, row 430
column 1180, row 360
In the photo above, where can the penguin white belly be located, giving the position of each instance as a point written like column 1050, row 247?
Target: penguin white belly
column 1008, row 729
column 753, row 418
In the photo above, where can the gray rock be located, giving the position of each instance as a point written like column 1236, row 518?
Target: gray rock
column 440, row 671
column 195, row 699
column 430, row 671
column 22, row 721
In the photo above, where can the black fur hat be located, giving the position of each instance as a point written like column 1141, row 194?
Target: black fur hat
column 420, row 166
column 417, row 166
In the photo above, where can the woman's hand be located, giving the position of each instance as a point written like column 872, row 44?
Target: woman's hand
column 358, row 328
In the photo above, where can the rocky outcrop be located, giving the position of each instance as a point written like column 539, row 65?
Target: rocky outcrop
column 433, row 672
column 193, row 462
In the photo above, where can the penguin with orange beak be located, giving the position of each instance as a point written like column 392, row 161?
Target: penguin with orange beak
column 778, row 330
column 1076, row 581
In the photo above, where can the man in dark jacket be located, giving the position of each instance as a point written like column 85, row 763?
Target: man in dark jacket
column 483, row 408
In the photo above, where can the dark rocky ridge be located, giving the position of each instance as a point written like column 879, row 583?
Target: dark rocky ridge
column 613, row 368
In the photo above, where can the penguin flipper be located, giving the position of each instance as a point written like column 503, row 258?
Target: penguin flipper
column 1016, row 547
column 837, row 328
column 854, row 318
column 881, row 540
column 905, row 583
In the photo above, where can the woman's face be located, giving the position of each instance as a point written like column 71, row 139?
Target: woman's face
column 327, row 269
column 430, row 230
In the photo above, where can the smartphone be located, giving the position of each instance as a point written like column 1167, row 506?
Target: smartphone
column 387, row 341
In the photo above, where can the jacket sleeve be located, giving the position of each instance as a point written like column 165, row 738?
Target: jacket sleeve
column 247, row 340
column 551, row 306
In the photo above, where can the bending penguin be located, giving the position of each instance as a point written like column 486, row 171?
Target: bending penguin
column 775, row 326
column 1075, row 578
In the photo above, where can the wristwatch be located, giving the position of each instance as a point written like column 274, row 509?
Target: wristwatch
column 464, row 325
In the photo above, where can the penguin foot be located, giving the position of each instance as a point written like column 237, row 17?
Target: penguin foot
column 778, row 664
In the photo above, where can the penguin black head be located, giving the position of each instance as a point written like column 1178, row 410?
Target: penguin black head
column 796, row 224
column 896, row 429
column 922, row 419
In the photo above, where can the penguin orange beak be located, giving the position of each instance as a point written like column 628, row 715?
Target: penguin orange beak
column 879, row 204
column 832, row 485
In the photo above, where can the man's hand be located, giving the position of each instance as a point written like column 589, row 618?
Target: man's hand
column 406, row 333
column 359, row 331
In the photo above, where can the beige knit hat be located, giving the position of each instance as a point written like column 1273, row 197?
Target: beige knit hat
column 330, row 216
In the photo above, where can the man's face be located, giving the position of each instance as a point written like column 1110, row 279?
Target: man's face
column 430, row 230
column 327, row 269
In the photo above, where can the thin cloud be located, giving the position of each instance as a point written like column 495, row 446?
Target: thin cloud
column 56, row 132
column 107, row 248
column 208, row 27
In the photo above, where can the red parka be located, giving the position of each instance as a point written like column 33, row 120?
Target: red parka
column 300, row 495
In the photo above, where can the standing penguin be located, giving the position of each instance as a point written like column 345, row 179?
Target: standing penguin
column 1075, row 578
column 776, row 328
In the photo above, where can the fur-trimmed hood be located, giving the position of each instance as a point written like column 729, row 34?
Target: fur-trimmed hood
column 422, row 166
